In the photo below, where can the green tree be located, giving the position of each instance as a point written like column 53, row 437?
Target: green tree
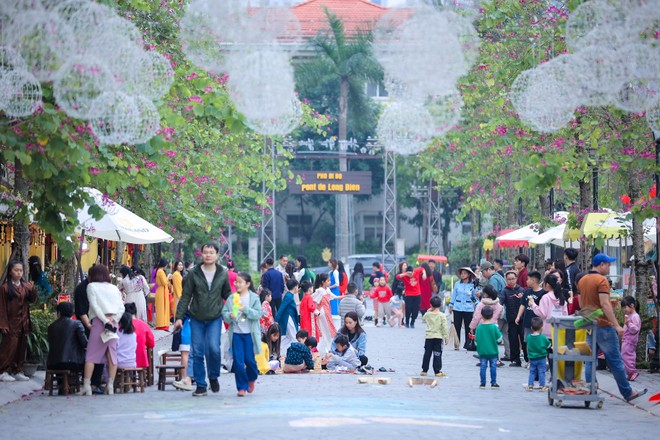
column 346, row 60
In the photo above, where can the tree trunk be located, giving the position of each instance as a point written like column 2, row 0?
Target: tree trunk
column 640, row 265
column 22, row 227
column 341, row 223
column 544, row 203
column 69, row 266
column 119, row 254
column 510, row 191
column 586, row 204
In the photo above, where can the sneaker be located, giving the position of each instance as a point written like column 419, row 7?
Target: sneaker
column 407, row 325
column 529, row 388
column 98, row 391
column 482, row 386
column 199, row 392
column 543, row 389
column 224, row 370
column 241, row 393
column 21, row 377
column 6, row 377
column 515, row 364
column 423, row 373
column 494, row 386
column 412, row 325
column 500, row 363
column 636, row 394
column 181, row 385
column 215, row 386
column 250, row 387
column 440, row 374
column 478, row 364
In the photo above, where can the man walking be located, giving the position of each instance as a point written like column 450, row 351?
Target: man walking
column 594, row 295
column 572, row 269
column 204, row 293
column 273, row 281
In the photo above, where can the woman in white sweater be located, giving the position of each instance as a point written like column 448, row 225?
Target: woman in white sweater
column 105, row 309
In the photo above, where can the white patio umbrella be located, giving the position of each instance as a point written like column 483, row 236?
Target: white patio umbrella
column 554, row 235
column 520, row 236
column 119, row 224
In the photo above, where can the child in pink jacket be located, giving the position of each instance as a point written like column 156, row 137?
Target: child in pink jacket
column 630, row 336
column 552, row 303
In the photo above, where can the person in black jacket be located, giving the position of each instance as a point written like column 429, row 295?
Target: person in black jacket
column 66, row 341
column 513, row 293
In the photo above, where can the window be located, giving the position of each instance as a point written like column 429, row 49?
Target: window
column 375, row 90
column 372, row 226
column 295, row 224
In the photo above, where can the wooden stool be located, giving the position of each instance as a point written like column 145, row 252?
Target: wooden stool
column 67, row 381
column 165, row 371
column 150, row 370
column 171, row 358
column 130, row 377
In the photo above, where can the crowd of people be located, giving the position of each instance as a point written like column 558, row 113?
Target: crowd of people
column 284, row 323
column 514, row 307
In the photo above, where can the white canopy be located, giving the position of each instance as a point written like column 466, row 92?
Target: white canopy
column 118, row 223
column 554, row 235
column 525, row 233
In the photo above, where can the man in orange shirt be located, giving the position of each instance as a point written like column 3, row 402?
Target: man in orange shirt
column 594, row 292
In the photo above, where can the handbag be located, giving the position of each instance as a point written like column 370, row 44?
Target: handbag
column 470, row 344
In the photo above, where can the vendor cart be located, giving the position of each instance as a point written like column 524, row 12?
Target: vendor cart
column 569, row 388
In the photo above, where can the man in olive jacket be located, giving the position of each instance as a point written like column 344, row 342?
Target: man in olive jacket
column 204, row 293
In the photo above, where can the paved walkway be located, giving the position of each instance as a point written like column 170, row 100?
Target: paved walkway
column 332, row 405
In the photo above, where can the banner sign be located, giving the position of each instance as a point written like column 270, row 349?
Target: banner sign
column 330, row 182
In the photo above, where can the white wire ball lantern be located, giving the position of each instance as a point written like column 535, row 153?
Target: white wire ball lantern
column 79, row 82
column 42, row 39
column 445, row 110
column 114, row 118
column 20, row 93
column 280, row 125
column 148, row 124
column 405, row 127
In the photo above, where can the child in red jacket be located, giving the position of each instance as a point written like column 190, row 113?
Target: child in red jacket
column 381, row 294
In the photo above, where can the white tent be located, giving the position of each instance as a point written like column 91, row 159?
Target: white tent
column 118, row 223
column 525, row 233
column 554, row 235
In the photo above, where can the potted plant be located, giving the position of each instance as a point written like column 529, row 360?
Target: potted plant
column 37, row 340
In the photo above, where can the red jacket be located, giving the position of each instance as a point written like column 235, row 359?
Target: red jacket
column 145, row 339
column 412, row 283
column 383, row 293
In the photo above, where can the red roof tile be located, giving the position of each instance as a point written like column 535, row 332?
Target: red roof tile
column 357, row 15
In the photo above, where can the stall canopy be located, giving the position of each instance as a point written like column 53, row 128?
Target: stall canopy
column 118, row 223
column 421, row 258
column 554, row 235
column 620, row 226
column 518, row 237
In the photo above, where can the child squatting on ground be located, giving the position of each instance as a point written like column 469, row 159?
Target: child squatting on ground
column 345, row 357
column 537, row 349
column 299, row 355
column 436, row 332
column 487, row 338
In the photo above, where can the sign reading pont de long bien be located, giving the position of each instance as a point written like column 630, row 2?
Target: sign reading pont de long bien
column 330, row 182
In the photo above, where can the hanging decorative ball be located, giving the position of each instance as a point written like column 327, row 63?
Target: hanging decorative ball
column 20, row 93
column 591, row 23
column 280, row 125
column 405, row 127
column 149, row 121
column 79, row 82
column 114, row 118
column 445, row 110
column 42, row 39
